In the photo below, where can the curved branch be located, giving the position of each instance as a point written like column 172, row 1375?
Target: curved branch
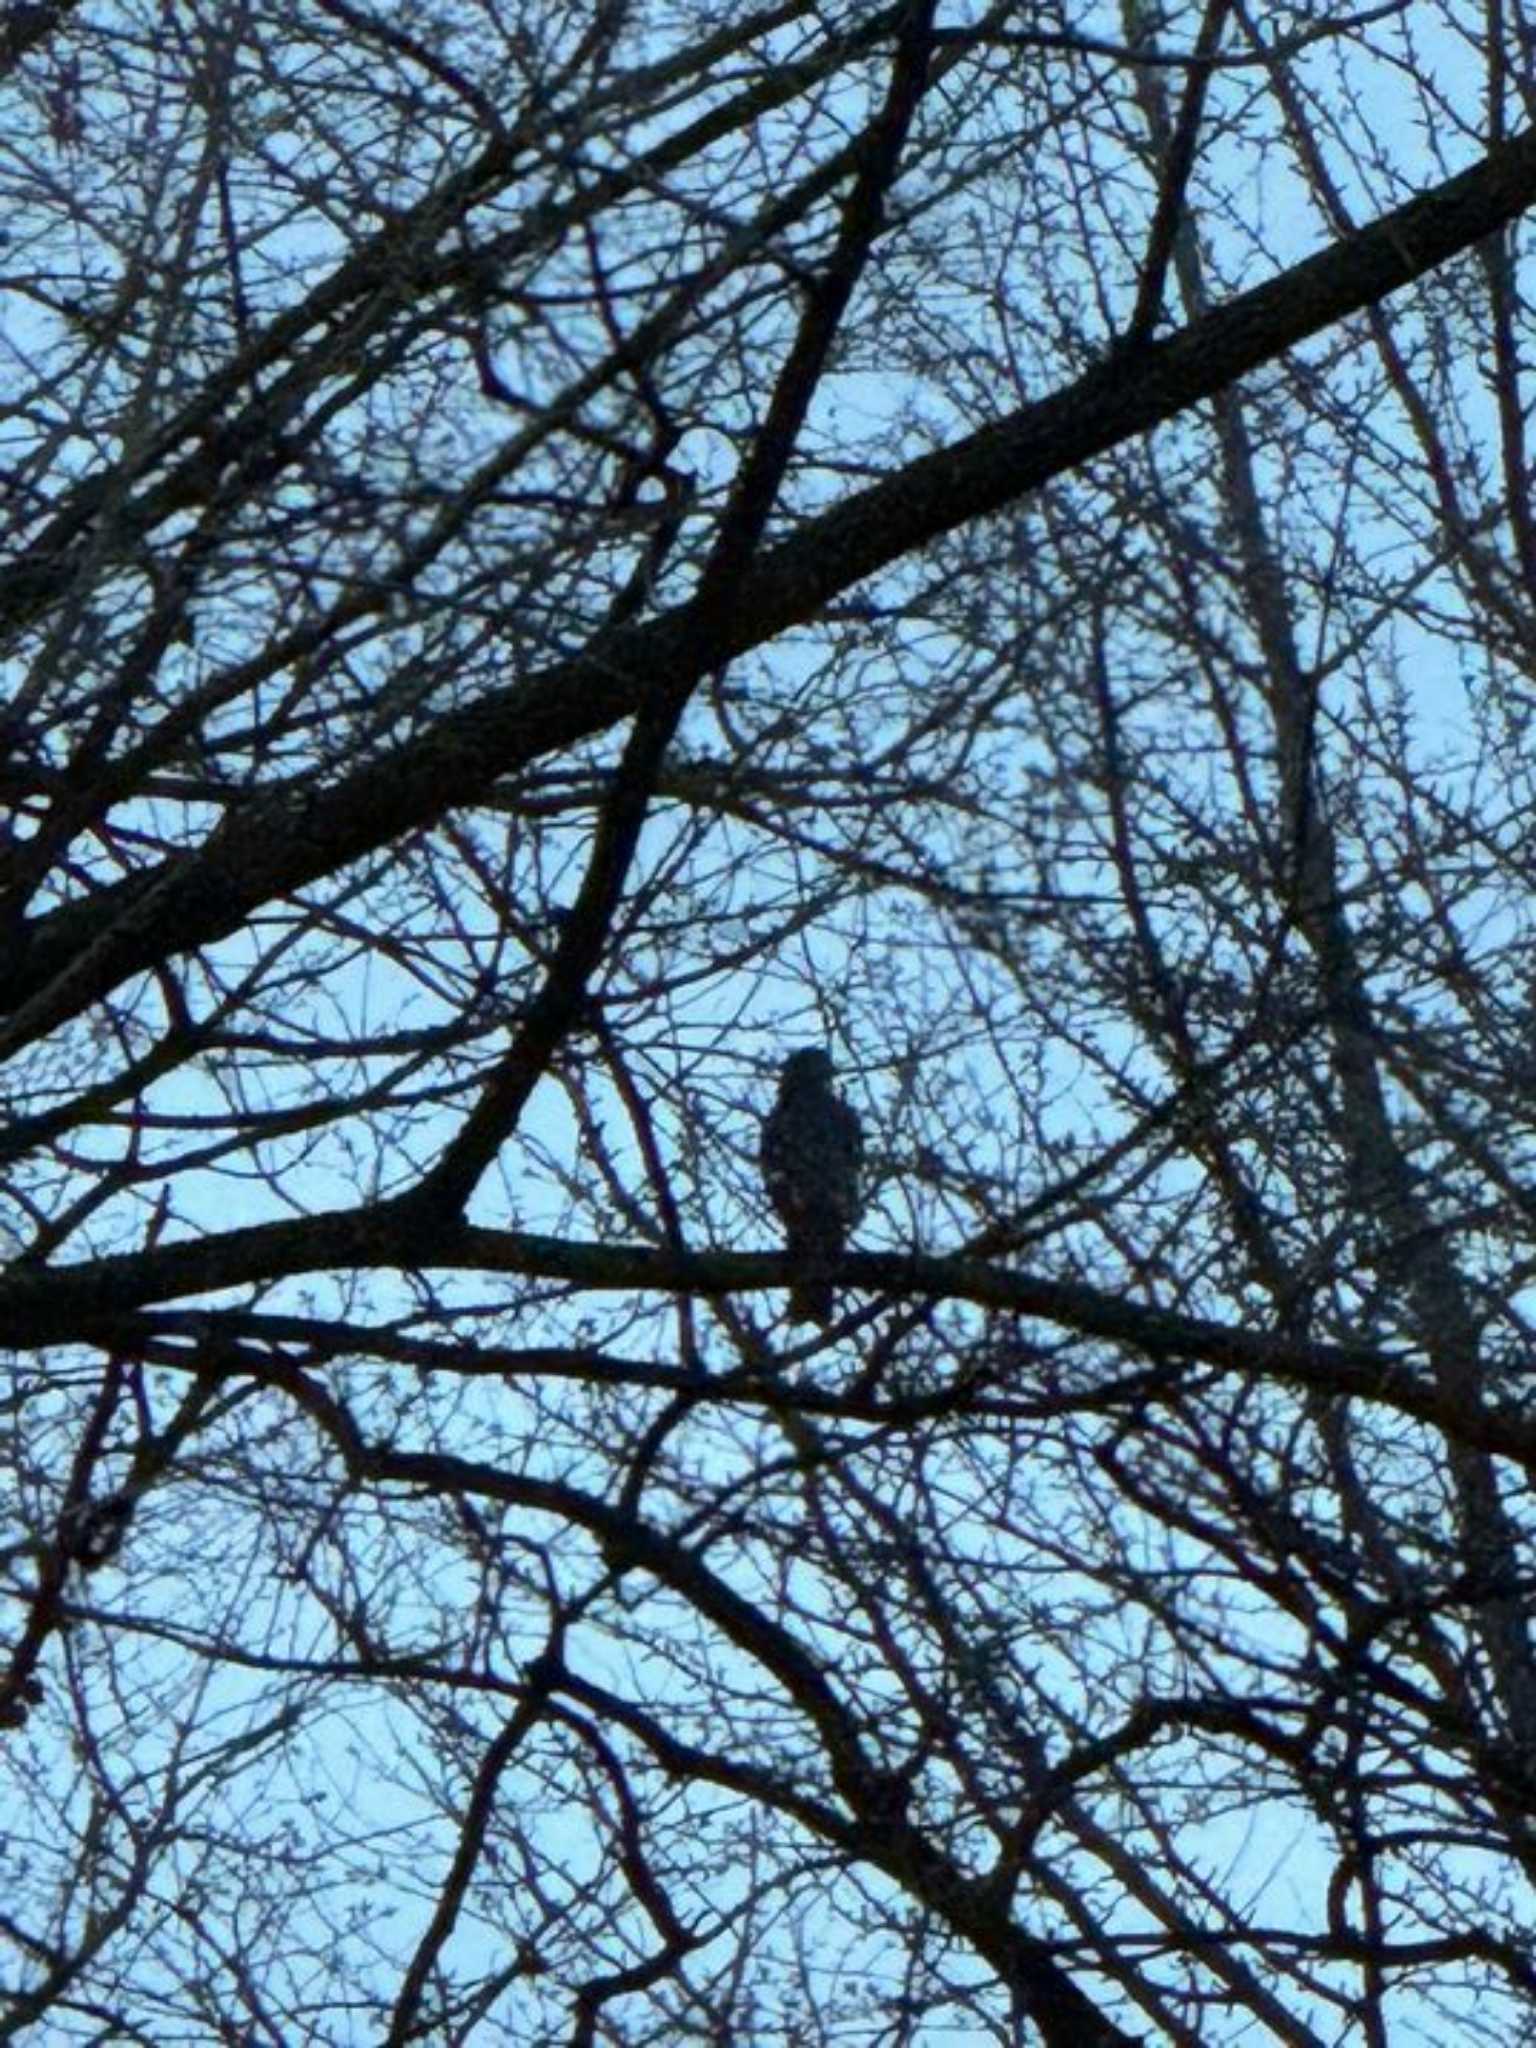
column 880, row 1831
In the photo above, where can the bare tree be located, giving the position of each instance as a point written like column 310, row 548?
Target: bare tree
column 559, row 555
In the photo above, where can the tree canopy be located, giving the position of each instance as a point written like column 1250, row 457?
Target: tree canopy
column 558, row 555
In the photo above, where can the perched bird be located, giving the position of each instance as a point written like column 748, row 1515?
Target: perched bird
column 812, row 1153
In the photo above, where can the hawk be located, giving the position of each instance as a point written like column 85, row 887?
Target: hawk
column 812, row 1152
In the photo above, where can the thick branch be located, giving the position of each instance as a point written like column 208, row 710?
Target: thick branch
column 288, row 838
column 79, row 1303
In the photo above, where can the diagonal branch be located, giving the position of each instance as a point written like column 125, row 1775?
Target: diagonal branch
column 879, row 1829
column 290, row 836
column 616, row 835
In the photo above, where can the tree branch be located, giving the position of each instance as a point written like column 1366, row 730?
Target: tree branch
column 291, row 836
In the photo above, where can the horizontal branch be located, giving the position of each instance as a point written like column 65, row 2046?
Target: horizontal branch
column 81, row 1302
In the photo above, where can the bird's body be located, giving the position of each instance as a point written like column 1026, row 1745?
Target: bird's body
column 812, row 1157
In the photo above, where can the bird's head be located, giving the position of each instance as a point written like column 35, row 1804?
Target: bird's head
column 810, row 1067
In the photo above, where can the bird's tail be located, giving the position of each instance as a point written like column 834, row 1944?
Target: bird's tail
column 811, row 1302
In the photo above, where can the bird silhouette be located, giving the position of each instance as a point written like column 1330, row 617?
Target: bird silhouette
column 812, row 1157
